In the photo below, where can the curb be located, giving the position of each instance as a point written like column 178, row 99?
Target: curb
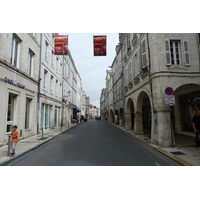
column 177, row 160
column 5, row 163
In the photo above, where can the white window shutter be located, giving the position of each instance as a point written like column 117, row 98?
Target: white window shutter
column 186, row 53
column 167, row 52
column 144, row 61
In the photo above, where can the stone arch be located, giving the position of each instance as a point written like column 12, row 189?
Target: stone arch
column 187, row 99
column 111, row 116
column 143, row 114
column 130, row 114
column 116, row 117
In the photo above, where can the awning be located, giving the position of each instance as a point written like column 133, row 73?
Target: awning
column 78, row 110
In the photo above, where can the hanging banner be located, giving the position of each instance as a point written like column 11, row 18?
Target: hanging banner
column 99, row 45
column 61, row 44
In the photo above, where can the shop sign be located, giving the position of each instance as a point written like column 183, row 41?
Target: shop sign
column 14, row 82
column 170, row 100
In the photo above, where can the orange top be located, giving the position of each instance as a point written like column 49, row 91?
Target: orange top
column 14, row 136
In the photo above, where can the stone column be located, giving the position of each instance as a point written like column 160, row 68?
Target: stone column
column 138, row 125
column 128, row 124
column 162, row 136
column 121, row 121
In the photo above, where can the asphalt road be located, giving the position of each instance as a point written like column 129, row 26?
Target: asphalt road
column 96, row 143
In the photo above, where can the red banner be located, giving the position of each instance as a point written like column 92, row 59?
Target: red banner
column 99, row 45
column 61, row 44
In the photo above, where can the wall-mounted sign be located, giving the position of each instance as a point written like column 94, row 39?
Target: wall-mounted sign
column 9, row 122
column 14, row 82
column 170, row 100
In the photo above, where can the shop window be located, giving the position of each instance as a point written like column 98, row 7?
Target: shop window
column 46, row 117
column 56, row 116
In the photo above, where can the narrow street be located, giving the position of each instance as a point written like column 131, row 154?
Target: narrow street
column 96, row 143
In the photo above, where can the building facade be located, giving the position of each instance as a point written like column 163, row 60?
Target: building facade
column 41, row 90
column 144, row 66
column 19, row 72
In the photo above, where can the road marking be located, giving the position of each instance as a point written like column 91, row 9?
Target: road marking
column 157, row 163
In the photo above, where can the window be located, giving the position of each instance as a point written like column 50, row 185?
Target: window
column 143, row 50
column 56, row 116
column 129, row 72
column 128, row 41
column 173, row 52
column 46, row 50
column 45, row 78
column 52, row 59
column 30, row 63
column 57, row 64
column 51, row 84
column 56, row 87
column 15, row 51
column 136, row 68
column 27, row 113
column 46, row 116
column 61, row 69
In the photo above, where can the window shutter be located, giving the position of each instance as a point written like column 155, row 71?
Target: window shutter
column 144, row 61
column 167, row 51
column 186, row 53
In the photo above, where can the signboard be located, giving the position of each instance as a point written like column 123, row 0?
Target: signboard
column 14, row 82
column 9, row 122
column 99, row 42
column 170, row 100
column 169, row 91
column 61, row 44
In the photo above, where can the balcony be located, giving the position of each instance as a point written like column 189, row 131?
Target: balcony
column 130, row 85
column 144, row 71
column 137, row 79
column 134, row 40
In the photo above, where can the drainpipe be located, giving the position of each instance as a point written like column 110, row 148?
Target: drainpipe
column 198, row 47
column 151, row 90
column 39, row 86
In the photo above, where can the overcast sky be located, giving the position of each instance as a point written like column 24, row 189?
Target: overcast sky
column 92, row 69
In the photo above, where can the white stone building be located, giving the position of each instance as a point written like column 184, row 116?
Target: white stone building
column 40, row 90
column 94, row 111
column 19, row 72
column 150, row 63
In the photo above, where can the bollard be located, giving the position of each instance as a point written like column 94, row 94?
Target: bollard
column 42, row 132
column 68, row 124
column 8, row 153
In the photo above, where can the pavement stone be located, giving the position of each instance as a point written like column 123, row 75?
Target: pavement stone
column 30, row 143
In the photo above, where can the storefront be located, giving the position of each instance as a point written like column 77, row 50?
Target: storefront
column 18, row 106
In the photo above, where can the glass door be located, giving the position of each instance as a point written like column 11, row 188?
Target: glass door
column 10, row 112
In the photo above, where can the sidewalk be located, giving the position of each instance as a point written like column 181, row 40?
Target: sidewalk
column 29, row 144
column 187, row 154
